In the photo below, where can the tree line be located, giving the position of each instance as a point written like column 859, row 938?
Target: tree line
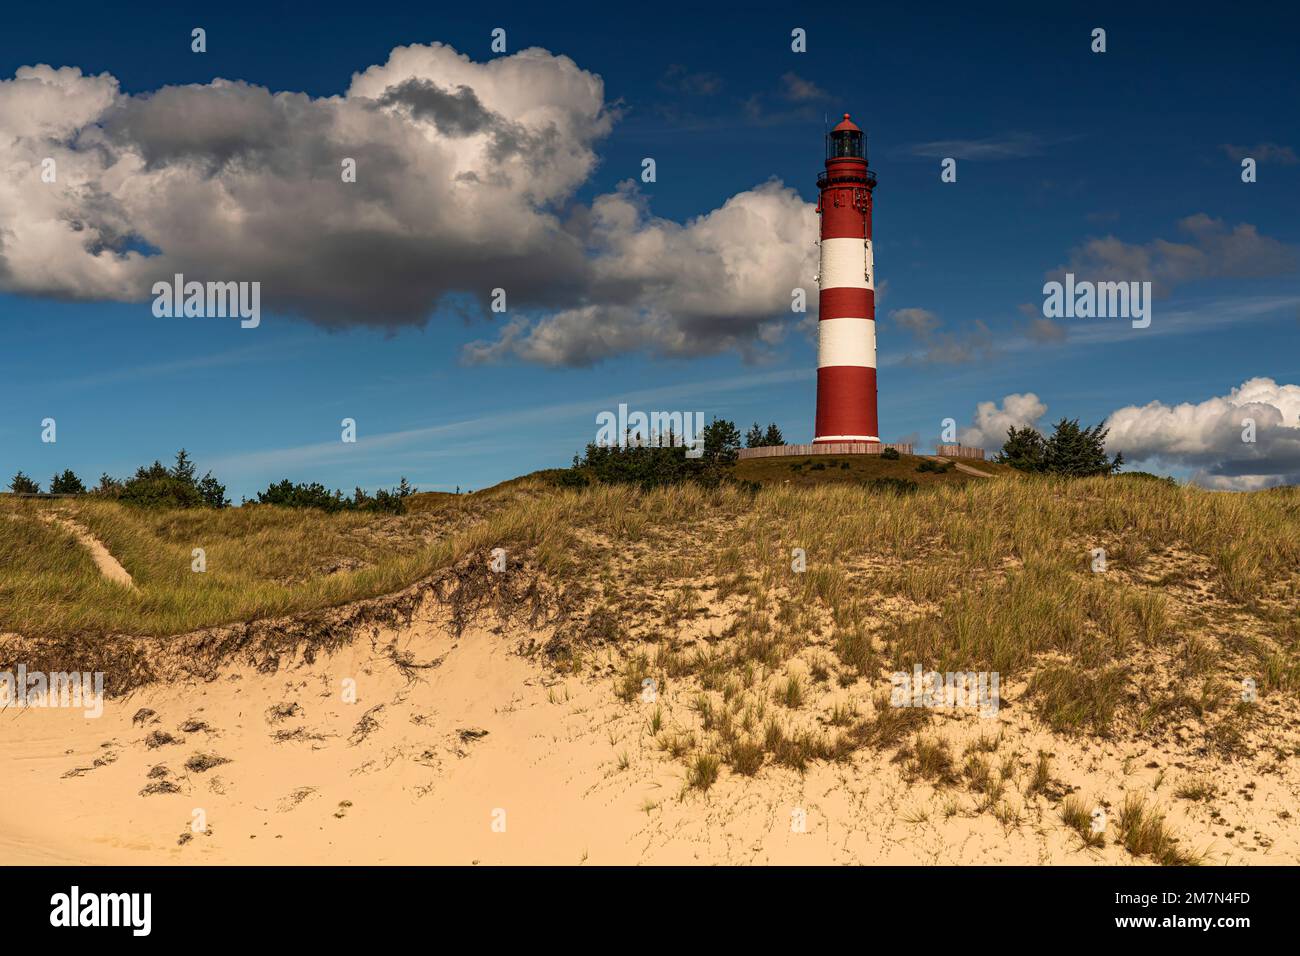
column 158, row 486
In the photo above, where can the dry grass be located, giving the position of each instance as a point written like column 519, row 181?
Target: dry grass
column 990, row 576
column 261, row 561
column 1143, row 832
column 1078, row 817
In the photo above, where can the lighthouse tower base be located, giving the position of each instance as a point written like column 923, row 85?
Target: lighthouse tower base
column 824, row 448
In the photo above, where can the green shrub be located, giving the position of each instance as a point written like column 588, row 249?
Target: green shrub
column 158, row 486
column 1147, row 476
column 67, row 484
column 658, row 466
column 22, row 485
column 288, row 494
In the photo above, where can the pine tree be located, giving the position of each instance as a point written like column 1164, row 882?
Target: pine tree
column 22, row 485
column 184, row 469
column 213, row 492
column 721, row 442
column 773, row 436
column 1079, row 452
column 754, row 437
column 1024, row 449
column 67, row 484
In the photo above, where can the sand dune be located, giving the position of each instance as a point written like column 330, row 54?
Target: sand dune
column 462, row 751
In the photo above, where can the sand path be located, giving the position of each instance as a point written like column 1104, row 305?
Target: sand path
column 967, row 469
column 108, row 565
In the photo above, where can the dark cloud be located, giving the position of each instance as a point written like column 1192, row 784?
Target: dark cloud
column 1211, row 250
column 455, row 112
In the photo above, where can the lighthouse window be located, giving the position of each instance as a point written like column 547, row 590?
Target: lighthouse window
column 846, row 143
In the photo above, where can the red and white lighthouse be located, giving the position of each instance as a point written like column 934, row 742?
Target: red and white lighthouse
column 846, row 355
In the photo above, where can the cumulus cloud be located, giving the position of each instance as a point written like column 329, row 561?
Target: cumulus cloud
column 466, row 178
column 991, row 422
column 678, row 289
column 1212, row 250
column 1208, row 436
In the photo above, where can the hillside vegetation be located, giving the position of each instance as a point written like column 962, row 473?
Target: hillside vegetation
column 767, row 623
column 985, row 574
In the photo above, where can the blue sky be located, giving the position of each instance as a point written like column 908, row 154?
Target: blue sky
column 1055, row 146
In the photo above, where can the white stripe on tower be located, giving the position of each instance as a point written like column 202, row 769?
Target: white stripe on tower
column 847, row 342
column 843, row 264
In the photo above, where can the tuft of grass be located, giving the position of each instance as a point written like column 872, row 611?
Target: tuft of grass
column 745, row 757
column 1041, row 778
column 630, row 681
column 889, row 725
column 1078, row 818
column 702, row 772
column 843, row 714
column 930, row 758
column 1072, row 699
column 1196, row 788
column 791, row 693
column 1143, row 832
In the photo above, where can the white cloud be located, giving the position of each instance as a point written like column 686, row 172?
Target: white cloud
column 1208, row 436
column 989, row 428
column 1205, row 438
column 701, row 287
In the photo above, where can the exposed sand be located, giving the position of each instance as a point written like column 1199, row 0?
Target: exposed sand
column 961, row 466
column 108, row 565
column 414, row 771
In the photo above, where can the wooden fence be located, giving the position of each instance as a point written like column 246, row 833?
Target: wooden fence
column 828, row 448
column 958, row 451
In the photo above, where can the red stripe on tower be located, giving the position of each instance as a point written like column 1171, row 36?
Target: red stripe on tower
column 846, row 354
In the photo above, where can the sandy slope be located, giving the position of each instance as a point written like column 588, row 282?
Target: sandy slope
column 406, row 774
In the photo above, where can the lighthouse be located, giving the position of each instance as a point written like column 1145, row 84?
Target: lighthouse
column 846, row 353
